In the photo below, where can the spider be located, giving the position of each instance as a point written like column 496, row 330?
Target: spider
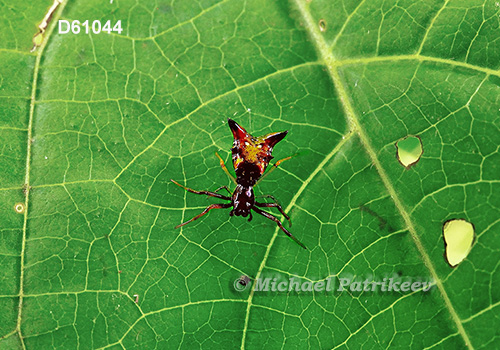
column 251, row 156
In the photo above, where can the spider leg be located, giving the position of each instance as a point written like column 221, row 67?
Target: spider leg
column 267, row 196
column 224, row 187
column 273, row 218
column 274, row 205
column 207, row 209
column 273, row 167
column 223, row 166
column 208, row 193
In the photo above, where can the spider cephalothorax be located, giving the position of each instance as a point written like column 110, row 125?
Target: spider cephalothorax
column 251, row 156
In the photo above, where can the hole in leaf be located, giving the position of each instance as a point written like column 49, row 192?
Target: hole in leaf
column 458, row 237
column 322, row 25
column 409, row 150
column 19, row 208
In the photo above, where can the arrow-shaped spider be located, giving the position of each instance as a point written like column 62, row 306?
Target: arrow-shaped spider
column 251, row 156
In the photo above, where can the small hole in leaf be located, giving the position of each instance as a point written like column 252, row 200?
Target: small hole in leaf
column 19, row 208
column 409, row 150
column 458, row 237
column 322, row 25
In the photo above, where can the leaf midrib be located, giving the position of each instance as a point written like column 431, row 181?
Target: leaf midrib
column 26, row 186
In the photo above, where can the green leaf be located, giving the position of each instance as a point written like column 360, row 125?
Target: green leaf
column 93, row 127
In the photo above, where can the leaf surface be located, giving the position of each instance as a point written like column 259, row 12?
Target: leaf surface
column 94, row 127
